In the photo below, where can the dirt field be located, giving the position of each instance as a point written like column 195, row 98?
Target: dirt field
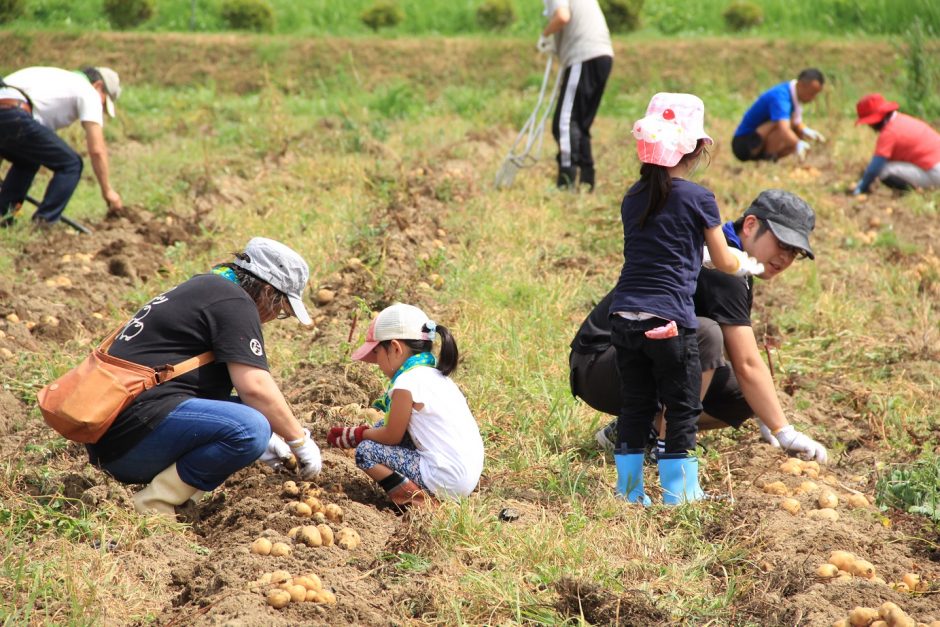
column 216, row 585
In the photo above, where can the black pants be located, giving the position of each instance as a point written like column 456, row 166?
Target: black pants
column 582, row 86
column 652, row 371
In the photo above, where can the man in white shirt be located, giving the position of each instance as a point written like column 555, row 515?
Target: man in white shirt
column 34, row 103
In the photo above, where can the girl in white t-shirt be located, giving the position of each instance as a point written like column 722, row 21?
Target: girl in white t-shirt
column 428, row 440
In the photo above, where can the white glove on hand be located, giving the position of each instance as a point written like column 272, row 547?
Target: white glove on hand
column 815, row 136
column 309, row 463
column 277, row 453
column 746, row 264
column 802, row 148
column 546, row 44
column 804, row 446
column 767, row 435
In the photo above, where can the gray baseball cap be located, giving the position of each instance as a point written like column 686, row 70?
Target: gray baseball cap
column 788, row 216
column 284, row 269
column 112, row 87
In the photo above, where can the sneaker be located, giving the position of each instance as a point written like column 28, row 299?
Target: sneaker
column 606, row 437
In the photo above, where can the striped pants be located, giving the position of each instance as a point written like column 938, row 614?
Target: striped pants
column 582, row 86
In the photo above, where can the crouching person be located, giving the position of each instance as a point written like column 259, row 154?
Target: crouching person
column 429, row 440
column 189, row 434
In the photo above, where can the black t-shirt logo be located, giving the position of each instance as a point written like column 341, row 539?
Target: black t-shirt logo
column 255, row 347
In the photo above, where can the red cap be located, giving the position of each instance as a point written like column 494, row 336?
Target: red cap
column 872, row 108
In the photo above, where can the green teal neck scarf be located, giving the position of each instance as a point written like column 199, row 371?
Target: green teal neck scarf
column 415, row 361
column 226, row 273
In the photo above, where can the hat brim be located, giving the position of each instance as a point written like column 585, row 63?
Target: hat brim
column 109, row 106
column 297, row 305
column 364, row 352
column 790, row 237
column 877, row 116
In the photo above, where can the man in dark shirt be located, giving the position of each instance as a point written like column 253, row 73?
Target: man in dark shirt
column 189, row 434
column 775, row 230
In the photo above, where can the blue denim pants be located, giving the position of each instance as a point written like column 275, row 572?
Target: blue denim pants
column 653, row 371
column 208, row 440
column 27, row 144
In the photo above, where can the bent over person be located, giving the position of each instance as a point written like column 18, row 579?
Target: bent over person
column 578, row 32
column 774, row 230
column 35, row 102
column 189, row 434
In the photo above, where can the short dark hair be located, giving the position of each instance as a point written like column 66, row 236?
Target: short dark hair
column 811, row 74
column 93, row 74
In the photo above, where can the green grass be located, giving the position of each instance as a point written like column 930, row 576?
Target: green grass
column 446, row 17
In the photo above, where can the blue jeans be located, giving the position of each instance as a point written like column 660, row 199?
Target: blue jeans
column 653, row 371
column 27, row 144
column 208, row 441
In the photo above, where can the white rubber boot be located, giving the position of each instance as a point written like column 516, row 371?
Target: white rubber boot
column 163, row 494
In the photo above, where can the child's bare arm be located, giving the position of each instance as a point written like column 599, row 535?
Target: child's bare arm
column 399, row 416
column 721, row 256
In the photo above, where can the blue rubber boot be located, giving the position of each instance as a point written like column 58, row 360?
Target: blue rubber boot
column 630, row 475
column 678, row 475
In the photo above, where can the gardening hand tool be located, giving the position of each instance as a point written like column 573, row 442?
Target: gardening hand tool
column 804, row 446
column 277, row 453
column 767, row 435
column 307, row 453
column 346, row 437
column 815, row 136
column 78, row 226
column 546, row 44
column 527, row 148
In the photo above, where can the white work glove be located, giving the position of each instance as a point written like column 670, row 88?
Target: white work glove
column 815, row 136
column 277, row 453
column 746, row 264
column 307, row 453
column 802, row 147
column 546, row 44
column 804, row 446
column 767, row 435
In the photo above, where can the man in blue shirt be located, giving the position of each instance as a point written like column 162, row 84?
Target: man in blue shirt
column 773, row 127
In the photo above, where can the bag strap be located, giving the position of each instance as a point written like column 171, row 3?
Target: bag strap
column 169, row 371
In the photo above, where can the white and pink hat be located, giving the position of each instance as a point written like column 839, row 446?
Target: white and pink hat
column 396, row 322
column 671, row 129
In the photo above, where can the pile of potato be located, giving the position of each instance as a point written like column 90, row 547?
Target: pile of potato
column 826, row 498
column 286, row 589
column 888, row 615
column 844, row 566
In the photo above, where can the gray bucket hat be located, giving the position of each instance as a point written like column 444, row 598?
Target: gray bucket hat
column 788, row 216
column 284, row 269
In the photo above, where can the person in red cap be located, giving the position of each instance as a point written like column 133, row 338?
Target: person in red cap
column 907, row 153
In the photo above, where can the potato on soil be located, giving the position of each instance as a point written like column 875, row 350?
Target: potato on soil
column 857, row 500
column 790, row 505
column 300, row 509
column 310, row 582
column 326, row 534
column 326, row 596
column 279, row 549
column 333, row 512
column 319, row 518
column 778, row 488
column 862, row 616
column 912, row 580
column 280, row 576
column 261, row 546
column 900, row 586
column 348, row 538
column 290, row 489
column 314, row 504
column 827, row 514
column 842, row 559
column 807, row 487
column 297, row 593
column 862, row 568
column 792, row 466
column 827, row 499
column 310, row 536
column 278, row 598
column 827, row 570
column 292, row 534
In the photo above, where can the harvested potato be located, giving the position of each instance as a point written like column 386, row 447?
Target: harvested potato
column 279, row 549
column 827, row 570
column 319, row 518
column 327, row 597
column 810, row 465
column 347, row 538
column 310, row 582
column 313, row 596
column 827, row 514
column 792, row 467
column 778, row 488
column 278, row 598
column 807, row 487
column 324, row 296
column 812, row 473
column 842, row 622
column 862, row 568
column 310, row 536
column 265, row 579
column 862, row 616
column 326, row 534
column 314, row 504
column 280, row 576
column 261, row 546
column 842, row 559
column 827, row 499
column 300, row 509
column 912, row 580
column 333, row 512
column 877, row 579
column 290, row 489
column 297, row 593
column 292, row 534
column 879, row 623
column 886, row 608
column 900, row 586
column 857, row 500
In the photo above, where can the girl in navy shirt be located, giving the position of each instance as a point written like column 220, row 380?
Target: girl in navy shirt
column 666, row 221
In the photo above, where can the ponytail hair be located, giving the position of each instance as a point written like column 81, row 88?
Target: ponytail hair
column 449, row 356
column 657, row 179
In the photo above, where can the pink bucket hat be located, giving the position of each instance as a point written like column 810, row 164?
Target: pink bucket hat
column 671, row 129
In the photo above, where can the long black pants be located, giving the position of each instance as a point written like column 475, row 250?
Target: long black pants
column 582, row 86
